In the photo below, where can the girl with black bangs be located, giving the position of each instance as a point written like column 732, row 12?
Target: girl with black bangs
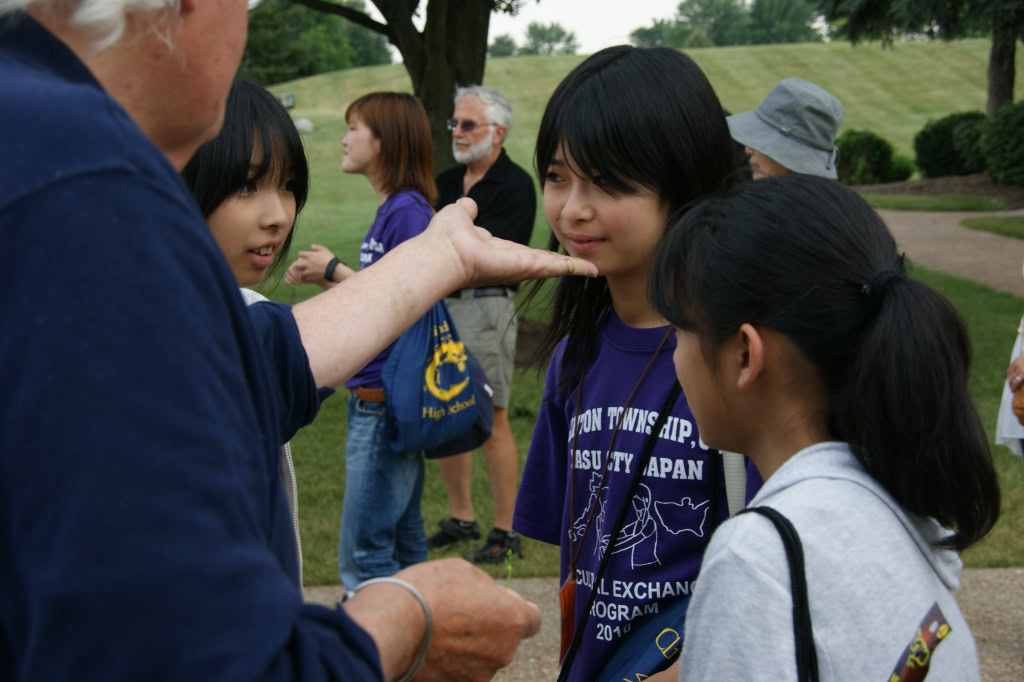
column 795, row 318
column 250, row 182
column 627, row 139
column 250, row 199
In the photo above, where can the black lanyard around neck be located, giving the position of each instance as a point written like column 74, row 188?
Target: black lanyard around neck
column 638, row 473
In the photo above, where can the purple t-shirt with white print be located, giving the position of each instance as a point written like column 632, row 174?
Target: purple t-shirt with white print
column 658, row 552
column 402, row 216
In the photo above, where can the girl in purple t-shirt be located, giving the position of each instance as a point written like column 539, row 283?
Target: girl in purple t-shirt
column 628, row 138
column 389, row 142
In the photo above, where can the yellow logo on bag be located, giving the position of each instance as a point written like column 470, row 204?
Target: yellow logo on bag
column 446, row 353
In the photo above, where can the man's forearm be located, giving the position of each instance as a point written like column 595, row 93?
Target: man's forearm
column 346, row 326
column 394, row 620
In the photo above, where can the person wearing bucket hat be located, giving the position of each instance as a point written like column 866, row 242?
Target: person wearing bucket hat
column 793, row 130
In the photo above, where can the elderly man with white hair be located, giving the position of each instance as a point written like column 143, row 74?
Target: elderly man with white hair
column 144, row 532
column 486, row 316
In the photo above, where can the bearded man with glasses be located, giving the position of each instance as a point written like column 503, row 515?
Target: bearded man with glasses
column 486, row 316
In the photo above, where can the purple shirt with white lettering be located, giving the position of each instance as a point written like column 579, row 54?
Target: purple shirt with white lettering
column 658, row 552
column 402, row 216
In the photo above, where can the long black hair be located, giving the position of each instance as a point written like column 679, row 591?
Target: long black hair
column 809, row 258
column 253, row 119
column 638, row 119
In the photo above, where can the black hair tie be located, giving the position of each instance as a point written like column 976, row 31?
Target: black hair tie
column 875, row 289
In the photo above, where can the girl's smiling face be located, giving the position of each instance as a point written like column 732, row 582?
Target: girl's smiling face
column 619, row 232
column 251, row 225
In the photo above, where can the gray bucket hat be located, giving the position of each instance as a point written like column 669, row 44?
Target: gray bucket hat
column 795, row 125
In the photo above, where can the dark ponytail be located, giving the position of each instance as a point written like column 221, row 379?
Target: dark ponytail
column 809, row 258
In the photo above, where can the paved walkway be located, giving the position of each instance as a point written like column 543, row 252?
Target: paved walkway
column 936, row 241
column 992, row 600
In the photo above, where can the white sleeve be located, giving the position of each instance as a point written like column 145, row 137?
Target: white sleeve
column 250, row 296
column 1008, row 430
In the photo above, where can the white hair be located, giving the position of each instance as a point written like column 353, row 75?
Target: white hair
column 496, row 108
column 104, row 18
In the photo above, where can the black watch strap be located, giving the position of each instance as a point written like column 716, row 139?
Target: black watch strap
column 329, row 271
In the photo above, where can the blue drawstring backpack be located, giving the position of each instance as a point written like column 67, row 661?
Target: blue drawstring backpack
column 433, row 401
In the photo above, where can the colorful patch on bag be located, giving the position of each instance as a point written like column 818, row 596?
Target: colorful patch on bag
column 914, row 662
column 446, row 351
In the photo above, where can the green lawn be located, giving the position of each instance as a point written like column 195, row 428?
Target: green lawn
column 1007, row 226
column 892, row 92
column 991, row 318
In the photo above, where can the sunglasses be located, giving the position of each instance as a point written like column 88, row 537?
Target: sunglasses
column 468, row 125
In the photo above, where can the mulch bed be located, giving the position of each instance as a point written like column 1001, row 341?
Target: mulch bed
column 978, row 184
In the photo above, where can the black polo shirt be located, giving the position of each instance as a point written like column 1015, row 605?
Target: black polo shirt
column 505, row 198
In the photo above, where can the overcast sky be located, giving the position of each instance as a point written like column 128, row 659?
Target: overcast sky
column 596, row 23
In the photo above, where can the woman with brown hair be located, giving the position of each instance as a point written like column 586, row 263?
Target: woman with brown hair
column 389, row 142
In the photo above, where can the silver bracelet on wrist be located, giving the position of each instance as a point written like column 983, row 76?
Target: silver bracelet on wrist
column 426, row 614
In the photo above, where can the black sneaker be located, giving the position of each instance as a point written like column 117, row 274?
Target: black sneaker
column 499, row 544
column 452, row 531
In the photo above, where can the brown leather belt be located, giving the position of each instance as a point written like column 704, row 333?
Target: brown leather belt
column 367, row 394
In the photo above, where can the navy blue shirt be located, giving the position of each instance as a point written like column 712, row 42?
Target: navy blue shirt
column 144, row 532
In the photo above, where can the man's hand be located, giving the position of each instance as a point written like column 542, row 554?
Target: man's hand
column 477, row 624
column 484, row 259
column 345, row 328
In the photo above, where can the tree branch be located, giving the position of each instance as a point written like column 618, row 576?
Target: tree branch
column 353, row 15
column 404, row 34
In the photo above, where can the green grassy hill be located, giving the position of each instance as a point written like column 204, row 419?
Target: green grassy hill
column 891, row 92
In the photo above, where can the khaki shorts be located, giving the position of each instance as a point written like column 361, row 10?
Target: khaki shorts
column 487, row 325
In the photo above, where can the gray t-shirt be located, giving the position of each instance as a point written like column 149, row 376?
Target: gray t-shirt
column 872, row 576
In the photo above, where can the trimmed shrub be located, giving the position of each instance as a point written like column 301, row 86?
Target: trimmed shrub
column 867, row 159
column 902, row 168
column 935, row 150
column 1002, row 144
column 967, row 142
column 698, row 39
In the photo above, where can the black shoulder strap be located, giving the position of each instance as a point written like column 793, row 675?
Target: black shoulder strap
column 806, row 655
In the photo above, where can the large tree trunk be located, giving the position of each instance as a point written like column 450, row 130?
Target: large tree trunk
column 454, row 52
column 1001, row 69
column 451, row 50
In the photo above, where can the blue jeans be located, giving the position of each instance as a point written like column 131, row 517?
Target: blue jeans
column 381, row 525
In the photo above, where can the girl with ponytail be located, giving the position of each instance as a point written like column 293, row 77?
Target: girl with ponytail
column 802, row 343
